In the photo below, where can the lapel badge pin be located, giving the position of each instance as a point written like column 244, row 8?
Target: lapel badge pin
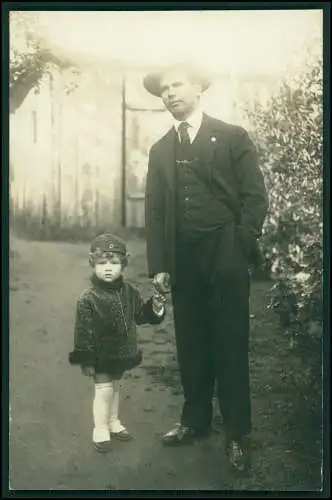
column 213, row 139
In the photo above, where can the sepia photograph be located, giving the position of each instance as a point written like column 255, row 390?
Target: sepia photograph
column 166, row 248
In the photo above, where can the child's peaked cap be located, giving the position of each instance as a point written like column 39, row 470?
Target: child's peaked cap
column 107, row 242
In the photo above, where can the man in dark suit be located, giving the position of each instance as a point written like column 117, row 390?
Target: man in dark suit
column 205, row 206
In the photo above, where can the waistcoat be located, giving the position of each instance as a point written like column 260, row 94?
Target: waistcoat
column 198, row 212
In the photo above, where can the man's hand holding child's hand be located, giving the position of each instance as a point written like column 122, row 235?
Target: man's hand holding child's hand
column 161, row 282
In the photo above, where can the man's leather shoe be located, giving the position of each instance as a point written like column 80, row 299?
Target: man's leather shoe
column 179, row 435
column 237, row 456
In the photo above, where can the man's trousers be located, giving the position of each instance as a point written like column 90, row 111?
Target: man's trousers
column 211, row 315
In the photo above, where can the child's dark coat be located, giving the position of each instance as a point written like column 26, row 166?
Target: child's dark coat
column 105, row 326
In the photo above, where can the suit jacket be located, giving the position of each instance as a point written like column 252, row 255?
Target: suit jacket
column 231, row 157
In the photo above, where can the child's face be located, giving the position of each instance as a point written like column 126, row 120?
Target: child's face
column 108, row 268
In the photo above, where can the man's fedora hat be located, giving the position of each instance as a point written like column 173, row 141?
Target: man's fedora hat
column 152, row 80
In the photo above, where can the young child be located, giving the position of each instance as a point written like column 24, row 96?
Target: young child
column 105, row 337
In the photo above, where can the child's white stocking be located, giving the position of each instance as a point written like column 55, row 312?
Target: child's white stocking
column 101, row 411
column 114, row 422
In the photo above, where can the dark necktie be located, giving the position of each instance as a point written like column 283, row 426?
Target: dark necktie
column 184, row 135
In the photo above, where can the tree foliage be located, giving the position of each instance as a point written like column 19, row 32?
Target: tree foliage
column 30, row 56
column 288, row 131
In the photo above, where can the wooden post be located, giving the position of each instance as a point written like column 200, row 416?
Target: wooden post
column 124, row 157
column 59, row 152
column 53, row 149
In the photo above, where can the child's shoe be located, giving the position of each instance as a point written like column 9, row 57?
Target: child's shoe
column 103, row 446
column 122, row 435
column 118, row 431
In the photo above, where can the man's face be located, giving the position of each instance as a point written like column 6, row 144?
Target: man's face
column 180, row 94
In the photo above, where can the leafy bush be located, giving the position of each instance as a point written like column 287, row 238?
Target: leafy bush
column 288, row 131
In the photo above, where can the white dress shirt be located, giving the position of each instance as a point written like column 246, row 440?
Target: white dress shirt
column 194, row 121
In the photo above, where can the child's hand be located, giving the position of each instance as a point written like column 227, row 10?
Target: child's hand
column 158, row 303
column 89, row 371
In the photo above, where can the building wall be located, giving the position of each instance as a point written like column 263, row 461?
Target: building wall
column 66, row 154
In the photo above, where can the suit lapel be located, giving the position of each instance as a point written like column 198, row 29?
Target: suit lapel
column 167, row 157
column 205, row 141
